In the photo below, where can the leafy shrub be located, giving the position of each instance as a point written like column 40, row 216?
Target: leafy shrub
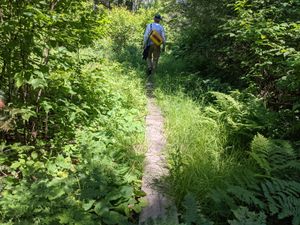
column 126, row 30
column 97, row 176
column 248, row 44
column 216, row 152
column 265, row 36
column 72, row 150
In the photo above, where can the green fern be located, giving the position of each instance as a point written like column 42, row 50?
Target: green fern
column 271, row 188
column 249, row 197
column 276, row 197
column 192, row 215
column 227, row 101
column 273, row 156
column 244, row 217
column 242, row 114
column 283, row 198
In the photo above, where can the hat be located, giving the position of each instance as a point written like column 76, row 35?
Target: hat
column 158, row 16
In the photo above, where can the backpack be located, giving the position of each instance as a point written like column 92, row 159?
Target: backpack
column 156, row 38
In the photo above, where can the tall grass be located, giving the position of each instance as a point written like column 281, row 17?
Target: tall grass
column 195, row 147
column 213, row 134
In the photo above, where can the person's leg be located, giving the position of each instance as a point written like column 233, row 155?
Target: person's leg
column 156, row 55
column 150, row 60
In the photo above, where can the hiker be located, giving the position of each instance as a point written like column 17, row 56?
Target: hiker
column 154, row 37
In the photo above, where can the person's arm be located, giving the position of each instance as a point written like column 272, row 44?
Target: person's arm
column 164, row 39
column 164, row 35
column 146, row 35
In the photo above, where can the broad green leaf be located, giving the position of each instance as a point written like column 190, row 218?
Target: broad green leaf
column 27, row 113
column 87, row 206
column 34, row 155
column 37, row 83
column 101, row 208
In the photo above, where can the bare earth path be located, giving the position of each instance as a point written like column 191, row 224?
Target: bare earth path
column 159, row 206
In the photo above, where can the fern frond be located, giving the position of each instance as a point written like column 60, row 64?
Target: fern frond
column 190, row 204
column 245, row 217
column 273, row 155
column 220, row 196
column 283, row 197
column 192, row 215
column 246, row 196
column 227, row 101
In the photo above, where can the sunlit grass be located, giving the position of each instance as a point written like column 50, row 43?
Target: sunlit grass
column 195, row 147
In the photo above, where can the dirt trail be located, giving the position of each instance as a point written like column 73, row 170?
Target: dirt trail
column 159, row 206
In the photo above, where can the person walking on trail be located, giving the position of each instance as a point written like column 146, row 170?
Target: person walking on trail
column 154, row 37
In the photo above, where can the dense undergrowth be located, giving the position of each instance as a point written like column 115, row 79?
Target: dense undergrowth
column 72, row 131
column 222, row 169
column 232, row 120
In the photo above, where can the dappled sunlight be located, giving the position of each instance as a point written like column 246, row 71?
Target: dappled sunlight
column 207, row 130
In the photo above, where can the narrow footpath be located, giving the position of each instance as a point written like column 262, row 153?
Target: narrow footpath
column 159, row 206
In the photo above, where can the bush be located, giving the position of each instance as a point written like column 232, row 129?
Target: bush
column 72, row 133
column 221, row 170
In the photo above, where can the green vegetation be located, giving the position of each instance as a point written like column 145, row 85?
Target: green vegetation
column 72, row 131
column 72, row 134
column 229, row 89
column 221, row 175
